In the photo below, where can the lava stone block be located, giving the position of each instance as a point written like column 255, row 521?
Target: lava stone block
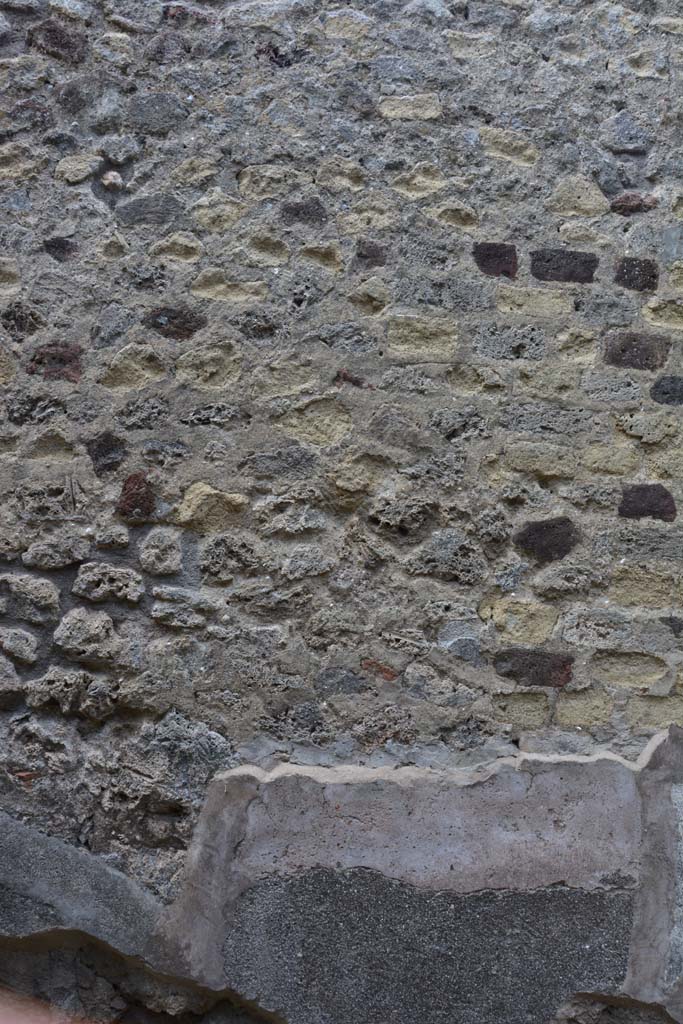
column 564, row 265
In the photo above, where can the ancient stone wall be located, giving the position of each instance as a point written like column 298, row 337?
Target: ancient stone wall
column 341, row 395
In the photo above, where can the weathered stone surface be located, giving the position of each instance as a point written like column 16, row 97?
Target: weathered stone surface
column 98, row 581
column 161, row 552
column 88, row 637
column 326, row 316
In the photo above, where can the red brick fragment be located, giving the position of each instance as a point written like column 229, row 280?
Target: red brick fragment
column 137, row 501
column 379, row 669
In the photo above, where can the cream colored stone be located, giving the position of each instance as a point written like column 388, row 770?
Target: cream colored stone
column 8, row 365
column 347, row 23
column 509, row 145
column 217, row 211
column 540, row 302
column 584, row 709
column 207, row 510
column 677, row 207
column 649, row 586
column 181, row 247
column 133, row 366
column 648, row 63
column 674, row 26
column 339, row 174
column 632, row 670
column 373, row 212
column 196, row 170
column 542, row 381
column 454, row 214
column 577, row 344
column 325, row 255
column 116, row 48
column 284, row 378
column 546, row 461
column 266, row 181
column 649, row 427
column 51, row 445
column 10, row 276
column 665, row 463
column 322, row 423
column 415, row 336
column 581, row 233
column 75, row 169
column 614, row 459
column 578, row 196
column 469, row 44
column 267, row 251
column 370, row 297
column 676, row 274
column 19, row 162
column 114, row 247
column 422, row 180
column 655, row 712
column 421, row 107
column 354, row 478
column 214, row 283
column 665, row 313
column 209, row 368
column 522, row 710
column 520, row 621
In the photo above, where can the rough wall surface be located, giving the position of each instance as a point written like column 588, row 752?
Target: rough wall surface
column 340, row 420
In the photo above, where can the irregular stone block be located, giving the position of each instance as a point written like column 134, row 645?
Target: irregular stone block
column 161, row 552
column 137, row 501
column 420, row 107
column 156, row 112
column 98, row 581
column 636, row 350
column 450, row 555
column 564, row 265
column 668, row 390
column 548, row 540
column 88, row 637
column 176, row 322
column 534, row 668
column 19, row 644
column 638, row 275
column 57, row 552
column 54, row 38
column 496, row 259
column 642, row 500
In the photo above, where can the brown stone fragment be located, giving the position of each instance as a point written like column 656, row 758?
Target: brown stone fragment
column 176, row 323
column 636, row 350
column 564, row 265
column 55, row 39
column 548, row 540
column 137, row 501
column 652, row 500
column 55, row 361
column 638, row 275
column 496, row 259
column 629, row 203
column 534, row 668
